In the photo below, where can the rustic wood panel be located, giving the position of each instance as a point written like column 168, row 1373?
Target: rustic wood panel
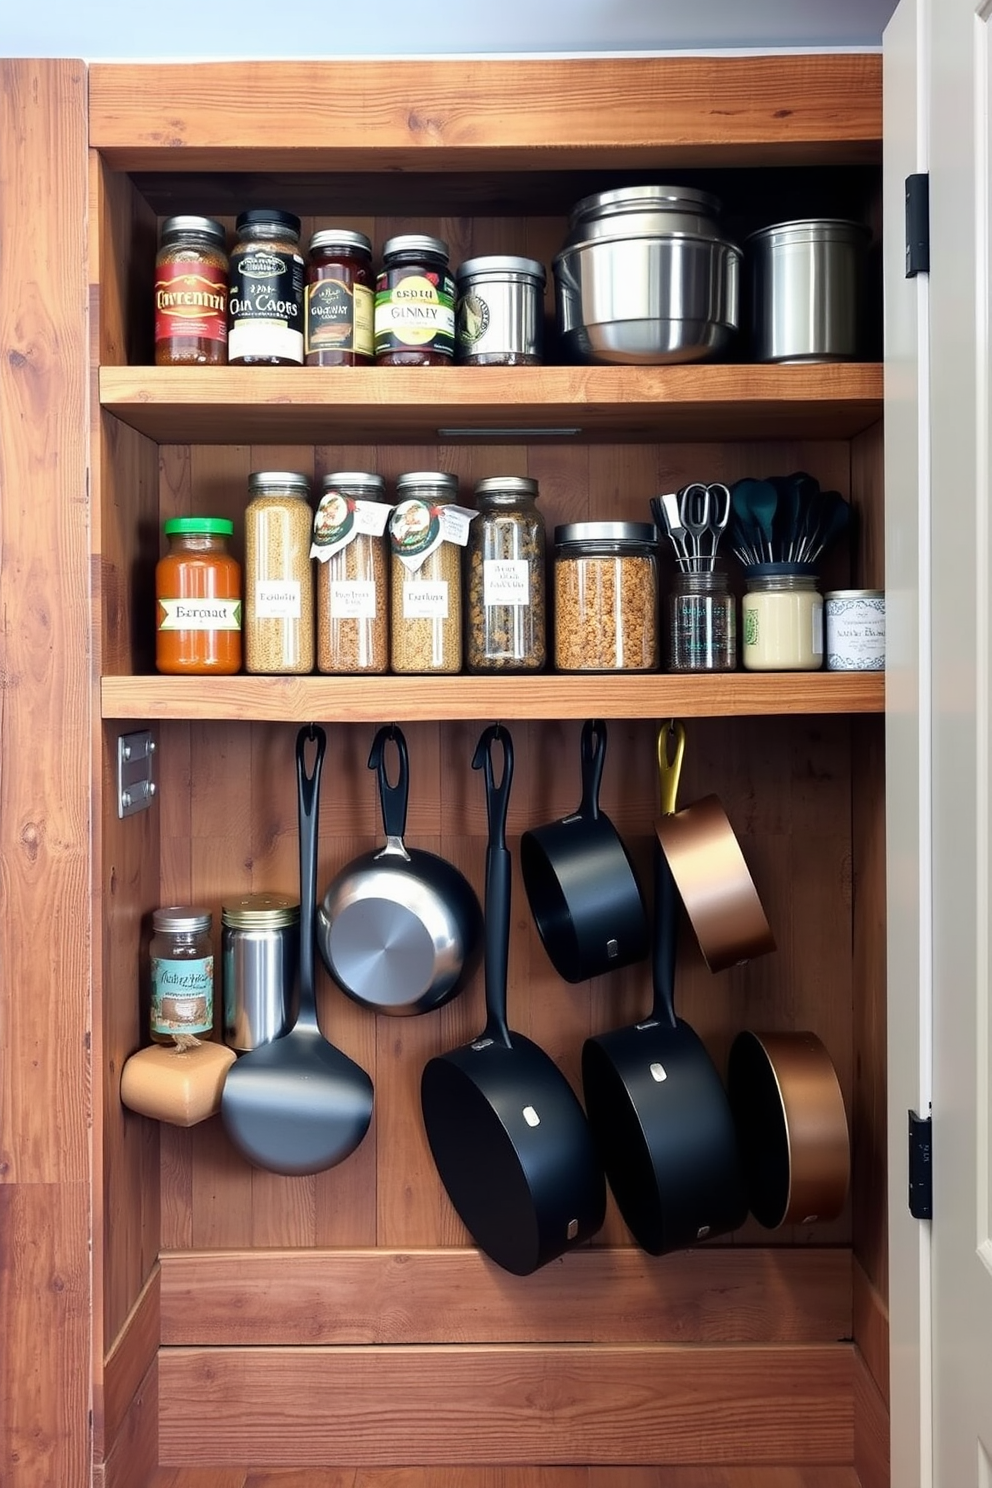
column 871, row 1329
column 709, row 1476
column 132, row 1354
column 871, row 1430
column 132, row 1460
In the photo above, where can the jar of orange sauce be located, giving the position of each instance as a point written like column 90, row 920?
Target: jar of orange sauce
column 198, row 589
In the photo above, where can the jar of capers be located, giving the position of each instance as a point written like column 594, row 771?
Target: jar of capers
column 505, row 586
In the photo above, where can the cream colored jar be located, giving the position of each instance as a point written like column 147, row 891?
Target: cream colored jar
column 781, row 620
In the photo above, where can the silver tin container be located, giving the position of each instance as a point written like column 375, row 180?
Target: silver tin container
column 806, row 290
column 499, row 312
column 855, row 625
column 260, row 947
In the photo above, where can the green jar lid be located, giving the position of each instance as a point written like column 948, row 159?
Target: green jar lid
column 214, row 526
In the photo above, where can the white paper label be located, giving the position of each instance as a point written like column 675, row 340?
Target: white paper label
column 278, row 600
column 353, row 599
column 339, row 519
column 425, row 601
column 200, row 614
column 505, row 581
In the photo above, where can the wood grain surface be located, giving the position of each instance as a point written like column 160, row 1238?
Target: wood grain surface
column 709, row 1476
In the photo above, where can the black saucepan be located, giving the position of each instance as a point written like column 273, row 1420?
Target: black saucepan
column 580, row 882
column 506, row 1131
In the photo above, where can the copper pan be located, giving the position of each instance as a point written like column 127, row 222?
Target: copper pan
column 791, row 1127
column 708, row 867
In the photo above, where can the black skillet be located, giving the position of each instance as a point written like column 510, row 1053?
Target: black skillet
column 506, row 1131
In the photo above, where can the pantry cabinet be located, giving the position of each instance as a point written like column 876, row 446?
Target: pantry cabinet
column 236, row 1319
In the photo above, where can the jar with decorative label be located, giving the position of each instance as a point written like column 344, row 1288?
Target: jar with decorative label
column 499, row 315
column 182, row 974
column 415, row 303
column 279, row 610
column 606, row 597
column 198, row 600
column 702, row 612
column 781, row 619
column 191, row 270
column 427, row 533
column 505, row 628
column 340, row 300
column 350, row 547
column 265, row 304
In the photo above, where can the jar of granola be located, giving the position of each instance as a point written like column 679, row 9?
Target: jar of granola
column 606, row 597
column 505, row 589
column 427, row 532
column 352, row 573
column 278, row 618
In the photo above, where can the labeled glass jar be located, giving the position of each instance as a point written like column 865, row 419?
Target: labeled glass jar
column 505, row 626
column 499, row 314
column 278, row 573
column 191, row 269
column 781, row 619
column 414, row 303
column 265, row 304
column 702, row 623
column 606, row 597
column 350, row 546
column 855, row 630
column 182, row 973
column 260, row 943
column 340, row 300
column 198, row 600
column 426, row 535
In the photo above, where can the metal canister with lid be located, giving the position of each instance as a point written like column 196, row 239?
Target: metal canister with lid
column 606, row 597
column 499, row 314
column 260, row 959
column 414, row 303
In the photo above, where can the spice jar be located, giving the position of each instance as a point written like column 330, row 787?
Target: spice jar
column 702, row 614
column 182, row 972
column 855, row 624
column 191, row 293
column 265, row 307
column 606, row 597
column 352, row 573
column 278, row 573
column 426, row 535
column 340, row 299
column 499, row 315
column 414, row 303
column 260, row 943
column 782, row 619
column 505, row 628
column 198, row 600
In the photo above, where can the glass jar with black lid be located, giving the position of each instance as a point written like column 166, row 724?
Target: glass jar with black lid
column 265, row 305
column 415, row 303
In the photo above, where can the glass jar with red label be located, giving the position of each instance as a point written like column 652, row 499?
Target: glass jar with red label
column 340, row 300
column 415, row 303
column 191, row 271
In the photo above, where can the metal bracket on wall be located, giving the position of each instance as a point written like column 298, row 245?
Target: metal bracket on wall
column 920, row 1166
column 135, row 761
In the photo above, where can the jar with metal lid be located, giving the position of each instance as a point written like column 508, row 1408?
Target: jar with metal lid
column 499, row 315
column 414, row 303
column 182, row 973
column 781, row 619
column 505, row 586
column 265, row 306
column 198, row 600
column 191, row 270
column 427, row 532
column 350, row 546
column 606, row 597
column 855, row 627
column 278, row 573
column 340, row 300
column 260, row 947
column 702, row 613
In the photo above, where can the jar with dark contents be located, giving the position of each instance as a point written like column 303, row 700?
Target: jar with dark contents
column 340, row 300
column 191, row 270
column 505, row 587
column 265, row 305
column 415, row 303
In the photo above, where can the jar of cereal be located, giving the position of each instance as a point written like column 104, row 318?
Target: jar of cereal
column 352, row 573
column 278, row 618
column 606, row 597
column 427, row 532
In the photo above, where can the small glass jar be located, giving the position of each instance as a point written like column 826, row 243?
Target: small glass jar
column 606, row 597
column 198, row 600
column 414, row 303
column 340, row 300
column 265, row 305
column 505, row 627
column 499, row 316
column 349, row 543
column 260, row 943
column 425, row 587
column 182, row 974
column 191, row 270
column 702, row 629
column 781, row 619
column 278, row 574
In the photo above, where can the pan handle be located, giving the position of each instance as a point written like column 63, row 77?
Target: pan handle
column 497, row 913
column 309, row 786
column 666, row 940
column 393, row 799
column 671, row 736
column 593, row 756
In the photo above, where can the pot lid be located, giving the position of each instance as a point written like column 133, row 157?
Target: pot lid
column 650, row 198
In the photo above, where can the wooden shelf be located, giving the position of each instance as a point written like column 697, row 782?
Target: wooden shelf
column 244, row 405
column 406, row 699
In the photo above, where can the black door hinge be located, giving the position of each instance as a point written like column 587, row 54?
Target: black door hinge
column 920, row 1166
column 917, row 225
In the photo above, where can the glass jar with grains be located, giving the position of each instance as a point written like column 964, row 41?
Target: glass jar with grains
column 505, row 585
column 606, row 597
column 414, row 303
column 426, row 535
column 191, row 293
column 265, row 306
column 278, row 573
column 352, row 573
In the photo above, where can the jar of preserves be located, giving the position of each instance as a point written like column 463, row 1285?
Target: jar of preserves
column 198, row 600
column 260, row 944
column 415, row 303
column 352, row 573
column 265, row 305
column 702, row 614
column 278, row 573
column 182, row 974
column 606, row 597
column 340, row 300
column 427, row 532
column 505, row 585
column 782, row 619
column 191, row 293
column 499, row 315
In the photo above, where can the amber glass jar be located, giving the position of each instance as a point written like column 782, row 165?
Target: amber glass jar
column 351, row 549
column 340, row 300
column 265, row 305
column 191, row 293
column 278, row 573
column 415, row 303
column 198, row 593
